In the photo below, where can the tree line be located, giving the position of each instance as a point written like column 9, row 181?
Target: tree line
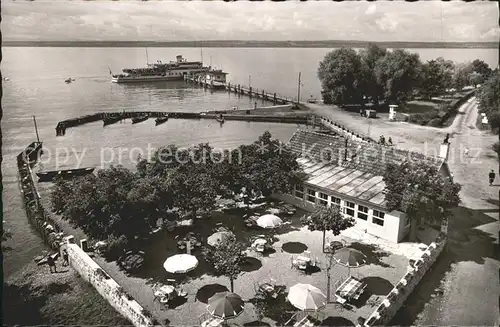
column 124, row 206
column 378, row 75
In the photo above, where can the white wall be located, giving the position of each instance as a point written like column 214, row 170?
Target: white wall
column 383, row 314
column 106, row 286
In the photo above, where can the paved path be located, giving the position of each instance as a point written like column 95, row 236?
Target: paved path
column 463, row 287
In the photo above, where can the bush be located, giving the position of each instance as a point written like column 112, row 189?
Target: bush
column 116, row 247
column 496, row 148
column 494, row 121
column 423, row 118
column 435, row 122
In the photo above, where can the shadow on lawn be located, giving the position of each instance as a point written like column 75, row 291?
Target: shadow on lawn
column 337, row 321
column 372, row 253
column 294, row 247
column 462, row 238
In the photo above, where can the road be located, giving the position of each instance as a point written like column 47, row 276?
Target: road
column 463, row 286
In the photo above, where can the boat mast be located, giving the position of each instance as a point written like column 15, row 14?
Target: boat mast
column 147, row 59
column 201, row 51
column 36, row 130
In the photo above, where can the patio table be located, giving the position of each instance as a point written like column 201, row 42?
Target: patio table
column 303, row 259
column 349, row 287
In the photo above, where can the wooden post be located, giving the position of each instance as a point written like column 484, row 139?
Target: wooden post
column 250, row 92
column 274, row 98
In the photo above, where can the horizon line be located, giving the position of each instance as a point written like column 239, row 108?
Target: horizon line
column 255, row 43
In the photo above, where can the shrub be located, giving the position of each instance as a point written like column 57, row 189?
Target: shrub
column 115, row 247
column 494, row 120
column 496, row 148
column 435, row 122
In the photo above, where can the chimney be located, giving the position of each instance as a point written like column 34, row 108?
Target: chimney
column 444, row 150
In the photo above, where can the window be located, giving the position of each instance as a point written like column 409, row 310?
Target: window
column 335, row 201
column 299, row 191
column 378, row 217
column 362, row 212
column 323, row 199
column 349, row 208
column 311, row 196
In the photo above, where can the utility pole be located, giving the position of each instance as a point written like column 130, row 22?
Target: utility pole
column 201, row 50
column 210, row 61
column 249, row 80
column 298, row 91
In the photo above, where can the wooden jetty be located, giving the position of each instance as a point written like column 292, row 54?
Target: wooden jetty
column 240, row 89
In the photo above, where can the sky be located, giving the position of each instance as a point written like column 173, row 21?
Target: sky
column 64, row 20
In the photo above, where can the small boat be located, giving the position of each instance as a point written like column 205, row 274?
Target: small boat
column 68, row 173
column 68, row 80
column 161, row 120
column 112, row 120
column 6, row 79
column 139, row 119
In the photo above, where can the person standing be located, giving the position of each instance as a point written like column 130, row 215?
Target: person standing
column 52, row 264
column 491, row 177
column 65, row 257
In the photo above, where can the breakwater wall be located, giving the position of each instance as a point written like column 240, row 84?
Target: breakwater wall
column 53, row 235
column 417, row 269
column 63, row 125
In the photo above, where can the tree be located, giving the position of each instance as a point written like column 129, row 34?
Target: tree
column 226, row 258
column 341, row 76
column 328, row 219
column 419, row 190
column 488, row 98
column 398, row 72
column 432, row 82
column 369, row 58
column 461, row 75
column 436, row 77
column 475, row 78
column 481, row 68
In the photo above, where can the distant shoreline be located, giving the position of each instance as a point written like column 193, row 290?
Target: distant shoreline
column 251, row 44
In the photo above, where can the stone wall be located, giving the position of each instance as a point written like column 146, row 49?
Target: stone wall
column 107, row 287
column 383, row 314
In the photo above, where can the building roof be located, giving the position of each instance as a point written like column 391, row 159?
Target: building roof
column 353, row 169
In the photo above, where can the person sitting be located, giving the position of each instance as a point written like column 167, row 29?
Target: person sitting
column 389, row 141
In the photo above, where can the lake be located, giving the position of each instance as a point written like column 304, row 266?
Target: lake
column 36, row 87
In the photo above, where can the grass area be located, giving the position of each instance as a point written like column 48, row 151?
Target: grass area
column 434, row 112
column 37, row 297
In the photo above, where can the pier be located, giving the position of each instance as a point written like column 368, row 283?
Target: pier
column 239, row 89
